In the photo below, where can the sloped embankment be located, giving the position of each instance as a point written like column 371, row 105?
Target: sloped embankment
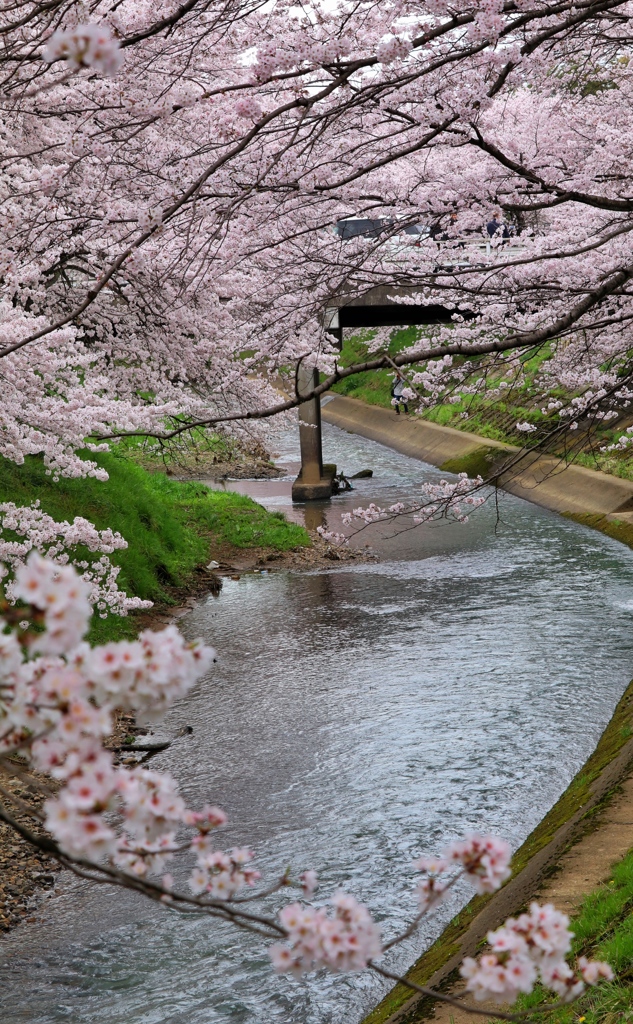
column 172, row 528
column 575, row 814
column 571, row 490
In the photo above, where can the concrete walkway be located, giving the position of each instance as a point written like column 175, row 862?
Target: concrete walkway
column 539, row 478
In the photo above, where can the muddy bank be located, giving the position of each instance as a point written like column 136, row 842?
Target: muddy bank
column 24, row 871
column 245, row 469
column 215, row 458
column 227, row 561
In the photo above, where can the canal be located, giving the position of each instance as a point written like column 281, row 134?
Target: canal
column 358, row 717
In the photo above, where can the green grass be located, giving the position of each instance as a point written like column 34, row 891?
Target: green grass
column 372, row 386
column 171, row 527
column 493, row 418
column 474, row 414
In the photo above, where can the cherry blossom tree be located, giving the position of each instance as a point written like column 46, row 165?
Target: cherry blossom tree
column 170, row 184
column 171, row 176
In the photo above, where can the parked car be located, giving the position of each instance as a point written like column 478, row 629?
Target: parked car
column 355, row 227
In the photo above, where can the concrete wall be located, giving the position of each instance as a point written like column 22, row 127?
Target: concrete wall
column 544, row 480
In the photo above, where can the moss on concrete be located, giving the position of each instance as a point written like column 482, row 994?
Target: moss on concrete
column 476, row 463
column 612, row 526
column 577, row 794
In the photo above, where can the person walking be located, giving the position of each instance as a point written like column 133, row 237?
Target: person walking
column 496, row 228
column 397, row 390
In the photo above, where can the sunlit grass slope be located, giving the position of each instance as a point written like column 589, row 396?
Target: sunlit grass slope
column 171, row 527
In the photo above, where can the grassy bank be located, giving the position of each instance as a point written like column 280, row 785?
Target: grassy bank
column 171, row 527
column 495, row 418
column 576, row 796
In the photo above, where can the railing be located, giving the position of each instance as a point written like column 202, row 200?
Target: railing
column 464, row 252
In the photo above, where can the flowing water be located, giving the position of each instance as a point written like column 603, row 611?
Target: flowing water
column 357, row 717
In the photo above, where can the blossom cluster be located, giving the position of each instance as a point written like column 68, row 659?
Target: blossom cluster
column 57, row 697
column 393, row 47
column 444, row 499
column 624, row 441
column 29, row 528
column 489, row 22
column 529, row 948
column 145, row 675
column 87, row 45
column 344, row 940
column 525, row 950
column 220, row 874
column 483, row 860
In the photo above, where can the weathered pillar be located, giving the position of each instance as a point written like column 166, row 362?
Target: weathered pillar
column 311, row 484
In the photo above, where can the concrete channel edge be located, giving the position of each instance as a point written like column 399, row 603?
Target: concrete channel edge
column 535, row 859
column 541, row 479
column 588, row 497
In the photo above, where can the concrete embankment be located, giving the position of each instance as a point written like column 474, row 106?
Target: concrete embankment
column 585, row 832
column 591, row 825
column 547, row 481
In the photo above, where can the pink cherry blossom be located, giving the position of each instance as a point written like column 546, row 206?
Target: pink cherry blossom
column 87, row 45
column 170, row 257
column 534, row 945
column 484, row 860
column 309, row 883
column 345, row 940
column 498, row 981
column 593, row 970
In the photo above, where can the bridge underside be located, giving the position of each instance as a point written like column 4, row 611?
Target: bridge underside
column 370, row 310
column 391, row 315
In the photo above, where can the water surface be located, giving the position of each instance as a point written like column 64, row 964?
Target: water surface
column 357, row 717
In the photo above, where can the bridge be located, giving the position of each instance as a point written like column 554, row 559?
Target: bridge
column 375, row 308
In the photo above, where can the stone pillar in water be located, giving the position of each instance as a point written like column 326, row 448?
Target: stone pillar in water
column 313, row 483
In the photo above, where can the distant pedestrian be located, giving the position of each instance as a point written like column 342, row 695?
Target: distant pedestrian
column 496, row 228
column 397, row 390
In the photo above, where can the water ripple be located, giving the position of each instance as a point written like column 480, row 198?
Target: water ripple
column 357, row 718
